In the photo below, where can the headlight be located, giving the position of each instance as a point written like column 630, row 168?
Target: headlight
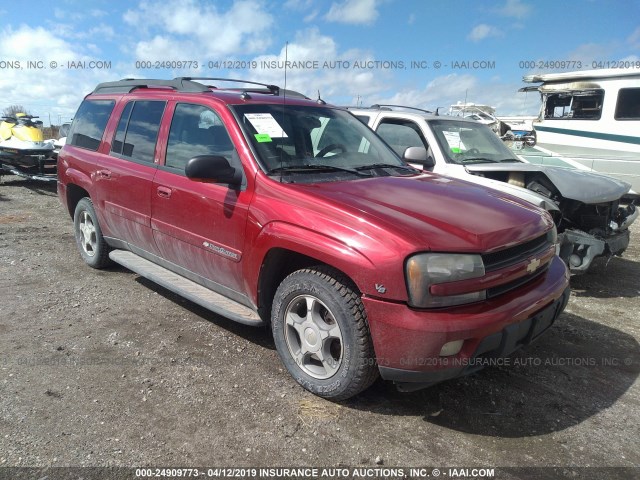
column 426, row 269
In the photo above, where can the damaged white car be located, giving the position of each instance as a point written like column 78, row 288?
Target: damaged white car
column 592, row 212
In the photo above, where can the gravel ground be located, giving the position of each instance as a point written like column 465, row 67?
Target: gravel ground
column 103, row 368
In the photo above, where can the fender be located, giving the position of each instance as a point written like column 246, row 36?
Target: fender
column 307, row 242
column 73, row 176
column 79, row 178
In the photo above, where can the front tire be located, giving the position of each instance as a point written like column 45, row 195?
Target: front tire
column 321, row 333
column 93, row 248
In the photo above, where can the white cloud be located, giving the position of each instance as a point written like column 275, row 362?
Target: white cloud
column 337, row 79
column 634, row 38
column 42, row 90
column 96, row 12
column 514, row 9
column 434, row 93
column 589, row 52
column 195, row 28
column 298, row 4
column 310, row 17
column 482, row 31
column 103, row 31
column 154, row 48
column 67, row 15
column 353, row 11
column 444, row 91
column 26, row 43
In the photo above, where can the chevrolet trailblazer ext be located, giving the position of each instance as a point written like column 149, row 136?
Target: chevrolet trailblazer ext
column 266, row 207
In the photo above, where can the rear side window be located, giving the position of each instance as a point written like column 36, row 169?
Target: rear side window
column 628, row 106
column 137, row 130
column 89, row 123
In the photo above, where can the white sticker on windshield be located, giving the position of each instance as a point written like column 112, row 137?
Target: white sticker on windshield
column 454, row 141
column 265, row 123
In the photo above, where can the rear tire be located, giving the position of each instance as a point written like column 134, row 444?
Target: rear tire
column 93, row 249
column 320, row 329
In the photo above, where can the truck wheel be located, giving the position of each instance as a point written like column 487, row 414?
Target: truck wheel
column 93, row 249
column 321, row 333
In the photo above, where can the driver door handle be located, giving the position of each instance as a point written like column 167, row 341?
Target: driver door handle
column 164, row 192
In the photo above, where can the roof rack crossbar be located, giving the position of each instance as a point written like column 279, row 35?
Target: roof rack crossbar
column 274, row 89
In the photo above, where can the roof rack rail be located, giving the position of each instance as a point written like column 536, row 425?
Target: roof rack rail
column 127, row 85
column 189, row 85
column 383, row 106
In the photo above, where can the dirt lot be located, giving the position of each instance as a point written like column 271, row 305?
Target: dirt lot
column 103, row 368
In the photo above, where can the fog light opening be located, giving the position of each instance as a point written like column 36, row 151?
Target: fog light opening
column 451, row 348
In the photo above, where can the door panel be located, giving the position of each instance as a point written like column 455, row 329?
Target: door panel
column 198, row 225
column 124, row 180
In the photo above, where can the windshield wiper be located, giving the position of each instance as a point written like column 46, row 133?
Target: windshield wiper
column 479, row 160
column 385, row 165
column 314, row 168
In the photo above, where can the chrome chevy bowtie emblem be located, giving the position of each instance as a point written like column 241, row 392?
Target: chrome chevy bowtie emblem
column 533, row 265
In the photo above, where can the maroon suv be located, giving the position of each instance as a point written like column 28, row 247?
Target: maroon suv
column 266, row 207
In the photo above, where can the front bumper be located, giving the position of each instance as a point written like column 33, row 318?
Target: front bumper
column 408, row 342
column 579, row 249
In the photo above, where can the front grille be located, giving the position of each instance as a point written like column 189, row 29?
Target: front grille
column 510, row 256
column 500, row 289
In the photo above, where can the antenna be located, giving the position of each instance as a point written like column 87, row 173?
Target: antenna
column 286, row 59
column 464, row 109
column 284, row 101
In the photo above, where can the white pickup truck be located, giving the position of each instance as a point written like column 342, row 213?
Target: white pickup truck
column 592, row 211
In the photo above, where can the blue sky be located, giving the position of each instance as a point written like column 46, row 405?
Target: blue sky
column 352, row 51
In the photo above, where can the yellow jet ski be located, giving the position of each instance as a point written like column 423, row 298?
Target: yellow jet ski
column 23, row 150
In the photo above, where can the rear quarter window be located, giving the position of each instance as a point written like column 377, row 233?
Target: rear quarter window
column 89, row 123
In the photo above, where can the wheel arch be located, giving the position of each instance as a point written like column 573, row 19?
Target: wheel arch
column 75, row 193
column 284, row 248
column 279, row 263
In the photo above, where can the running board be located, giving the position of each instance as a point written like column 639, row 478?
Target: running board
column 186, row 288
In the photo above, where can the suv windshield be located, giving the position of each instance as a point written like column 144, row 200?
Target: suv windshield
column 469, row 142
column 317, row 142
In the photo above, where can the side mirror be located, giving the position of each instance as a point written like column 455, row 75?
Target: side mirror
column 418, row 155
column 213, row 168
column 64, row 130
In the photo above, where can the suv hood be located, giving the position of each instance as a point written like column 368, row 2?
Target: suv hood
column 583, row 186
column 436, row 212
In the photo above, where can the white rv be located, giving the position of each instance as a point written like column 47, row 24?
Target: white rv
column 592, row 118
